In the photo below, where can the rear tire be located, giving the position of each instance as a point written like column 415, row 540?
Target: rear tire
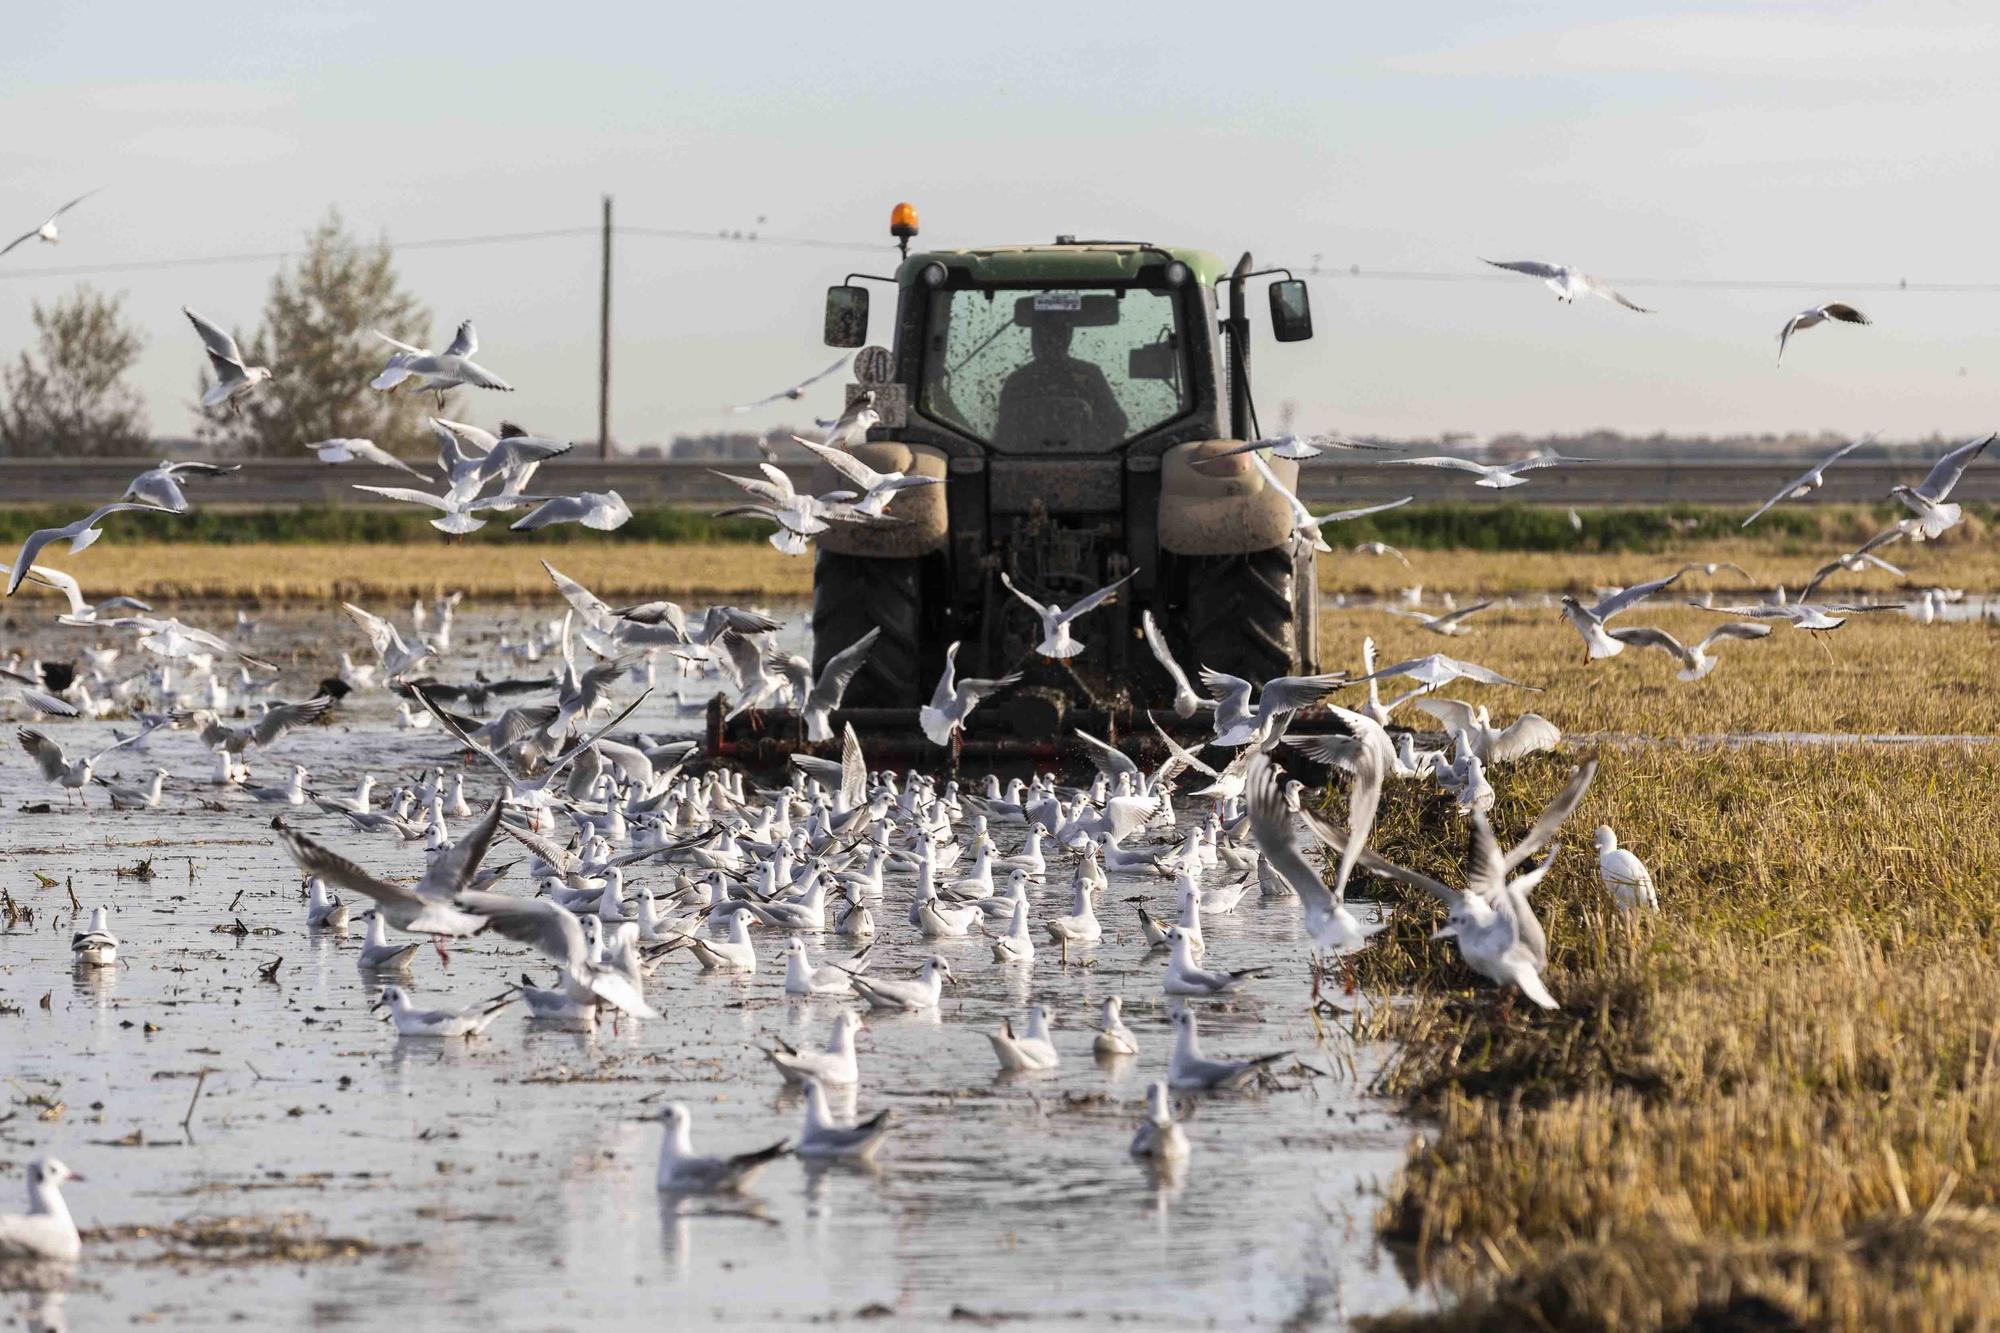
column 854, row 594
column 1240, row 615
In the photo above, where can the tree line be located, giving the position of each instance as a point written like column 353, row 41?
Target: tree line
column 67, row 395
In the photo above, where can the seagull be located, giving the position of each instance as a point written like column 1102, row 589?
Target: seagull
column 853, row 424
column 346, row 450
column 57, row 767
column 1696, row 661
column 1373, row 708
column 1438, row 670
column 1819, row 314
column 47, row 233
column 1295, row 448
column 97, row 946
column 803, row 979
column 1236, row 725
column 378, row 954
column 1381, row 548
column 1113, row 1037
column 601, row 511
column 1056, row 641
column 81, row 536
column 835, row 1063
column 1184, row 977
column 556, row 932
column 952, row 702
column 818, row 703
column 398, row 658
column 277, row 720
column 159, row 485
column 793, row 394
column 1032, row 1053
column 921, row 993
column 877, row 489
column 1159, row 1136
column 1589, row 620
column 424, row 369
column 233, row 379
column 1926, row 499
column 411, row 1021
column 825, row 1138
column 24, row 689
column 683, row 1171
column 1446, row 624
column 1530, row 733
column 136, row 798
column 1498, row 934
column 80, row 612
column 1189, row 1071
column 1567, row 283
column 1808, row 481
column 1493, row 476
column 1625, row 876
column 1854, row 562
column 1306, row 529
column 323, row 910
column 1186, row 702
column 1333, row 929
column 45, row 1233
column 428, row 907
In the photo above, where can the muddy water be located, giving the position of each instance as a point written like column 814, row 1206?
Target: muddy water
column 507, row 1182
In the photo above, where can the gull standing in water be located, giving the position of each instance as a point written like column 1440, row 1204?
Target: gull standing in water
column 1113, row 1038
column 1026, row 1054
column 1566, row 282
column 922, row 993
column 1625, row 876
column 97, row 946
column 411, row 1021
column 71, row 774
column 835, row 1063
column 1159, row 1136
column 684, row 1171
column 825, row 1138
column 1056, row 639
column 1188, row 1070
column 45, row 1232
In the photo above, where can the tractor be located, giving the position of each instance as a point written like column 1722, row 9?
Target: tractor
column 1072, row 399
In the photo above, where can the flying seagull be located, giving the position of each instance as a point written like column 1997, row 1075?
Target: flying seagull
column 796, row 392
column 233, row 379
column 1819, row 314
column 47, row 233
column 362, row 451
column 161, row 486
column 1493, row 476
column 1566, row 282
column 80, row 535
column 1808, row 481
column 1056, row 620
column 437, row 372
column 1927, row 498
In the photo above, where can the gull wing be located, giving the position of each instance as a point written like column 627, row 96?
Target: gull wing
column 1441, row 460
column 1632, row 596
column 48, row 755
column 1271, row 831
column 1096, row 599
column 1033, row 605
column 1553, row 814
column 316, row 858
column 1600, row 287
column 1943, row 475
column 284, row 717
column 1456, row 714
column 220, row 344
column 1161, row 653
column 1109, row 759
column 840, row 670
column 463, row 343
column 540, row 922
column 1534, row 268
column 380, row 633
column 451, row 870
column 1343, row 515
column 846, row 464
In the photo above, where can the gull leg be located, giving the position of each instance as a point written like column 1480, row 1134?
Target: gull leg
column 437, row 942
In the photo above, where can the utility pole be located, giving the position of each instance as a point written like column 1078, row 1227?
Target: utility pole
column 604, row 345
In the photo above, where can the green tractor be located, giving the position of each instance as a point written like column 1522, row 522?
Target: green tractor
column 1067, row 396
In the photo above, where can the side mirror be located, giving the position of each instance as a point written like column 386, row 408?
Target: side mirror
column 1291, row 311
column 846, row 316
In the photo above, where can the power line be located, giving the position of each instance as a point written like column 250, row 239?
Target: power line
column 729, row 236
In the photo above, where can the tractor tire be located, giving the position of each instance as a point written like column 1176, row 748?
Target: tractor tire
column 854, row 594
column 1240, row 615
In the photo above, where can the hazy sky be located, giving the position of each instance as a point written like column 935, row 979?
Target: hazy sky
column 1813, row 143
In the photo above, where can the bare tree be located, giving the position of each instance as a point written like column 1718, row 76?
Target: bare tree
column 68, row 398
column 317, row 336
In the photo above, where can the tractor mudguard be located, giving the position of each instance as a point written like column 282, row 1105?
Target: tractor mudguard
column 923, row 509
column 1225, row 509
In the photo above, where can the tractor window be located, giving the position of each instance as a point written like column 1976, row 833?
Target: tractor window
column 1055, row 371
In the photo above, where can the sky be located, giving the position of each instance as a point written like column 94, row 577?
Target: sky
column 1830, row 146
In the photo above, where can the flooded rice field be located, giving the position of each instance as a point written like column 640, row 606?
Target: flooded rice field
column 260, row 1150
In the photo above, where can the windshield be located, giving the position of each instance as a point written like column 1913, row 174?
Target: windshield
column 1064, row 370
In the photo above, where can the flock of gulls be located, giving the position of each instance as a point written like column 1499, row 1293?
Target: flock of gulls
column 627, row 854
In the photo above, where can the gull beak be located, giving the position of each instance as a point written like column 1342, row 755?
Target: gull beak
column 1445, row 932
column 71, row 1175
